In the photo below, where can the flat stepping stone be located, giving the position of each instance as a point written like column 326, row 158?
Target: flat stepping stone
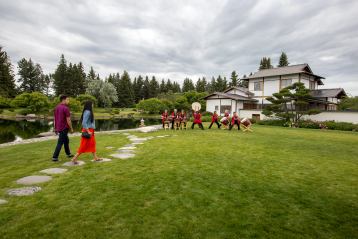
column 30, row 180
column 71, row 164
column 109, row 147
column 128, row 148
column 136, row 143
column 102, row 161
column 123, row 155
column 126, row 134
column 25, row 191
column 126, row 151
column 160, row 136
column 54, row 170
column 2, row 201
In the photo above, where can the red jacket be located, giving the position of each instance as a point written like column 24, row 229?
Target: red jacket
column 214, row 117
column 197, row 118
column 235, row 118
column 164, row 117
column 182, row 116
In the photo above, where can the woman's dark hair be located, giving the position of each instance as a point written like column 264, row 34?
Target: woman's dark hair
column 87, row 106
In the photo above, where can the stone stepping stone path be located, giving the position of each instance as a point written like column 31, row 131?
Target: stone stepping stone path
column 127, row 151
column 25, row 191
column 109, row 147
column 123, row 155
column 102, row 161
column 136, row 143
column 54, row 171
column 128, row 148
column 71, row 164
column 30, row 180
column 2, row 201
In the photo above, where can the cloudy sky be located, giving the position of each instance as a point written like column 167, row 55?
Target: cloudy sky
column 193, row 38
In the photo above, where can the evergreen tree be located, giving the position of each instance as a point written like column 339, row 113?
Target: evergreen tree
column 169, row 86
column 7, row 81
column 201, row 85
column 137, row 88
column 188, row 85
column 283, row 60
column 163, row 87
column 92, row 75
column 81, row 79
column 265, row 63
column 48, row 80
column 212, row 85
column 153, row 88
column 125, row 91
column 60, row 83
column 234, row 79
column 176, row 87
column 145, row 89
column 220, row 84
column 31, row 77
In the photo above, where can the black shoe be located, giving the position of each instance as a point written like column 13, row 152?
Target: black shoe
column 55, row 159
column 70, row 156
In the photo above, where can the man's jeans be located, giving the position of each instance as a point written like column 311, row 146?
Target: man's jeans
column 62, row 140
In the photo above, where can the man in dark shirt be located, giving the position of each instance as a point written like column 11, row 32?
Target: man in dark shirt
column 62, row 124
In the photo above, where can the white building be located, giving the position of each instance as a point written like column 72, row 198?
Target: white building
column 266, row 82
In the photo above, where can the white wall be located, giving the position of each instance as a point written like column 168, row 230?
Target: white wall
column 237, row 92
column 211, row 103
column 271, row 85
column 351, row 117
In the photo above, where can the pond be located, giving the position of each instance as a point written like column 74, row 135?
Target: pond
column 17, row 130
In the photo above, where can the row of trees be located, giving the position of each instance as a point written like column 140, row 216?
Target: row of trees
column 265, row 62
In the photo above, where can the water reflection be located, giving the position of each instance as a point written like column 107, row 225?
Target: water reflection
column 13, row 130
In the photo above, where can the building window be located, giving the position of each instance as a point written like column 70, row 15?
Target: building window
column 312, row 85
column 258, row 86
column 285, row 83
column 216, row 107
column 225, row 107
column 250, row 106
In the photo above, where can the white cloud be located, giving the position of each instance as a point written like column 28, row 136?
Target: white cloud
column 176, row 39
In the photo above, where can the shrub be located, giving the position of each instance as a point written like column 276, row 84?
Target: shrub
column 273, row 122
column 85, row 97
column 75, row 105
column 34, row 102
column 5, row 103
column 1, row 110
column 340, row 126
column 25, row 111
column 115, row 111
column 152, row 106
column 309, row 124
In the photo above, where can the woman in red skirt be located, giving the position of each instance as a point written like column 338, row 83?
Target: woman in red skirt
column 88, row 141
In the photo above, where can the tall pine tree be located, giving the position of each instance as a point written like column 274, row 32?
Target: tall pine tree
column 125, row 91
column 283, row 60
column 188, row 85
column 234, row 79
column 31, row 77
column 7, row 81
column 60, row 83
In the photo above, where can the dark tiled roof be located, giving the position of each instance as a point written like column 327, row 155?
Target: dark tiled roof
column 328, row 92
column 286, row 70
column 231, row 96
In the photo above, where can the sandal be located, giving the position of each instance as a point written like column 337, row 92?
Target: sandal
column 97, row 160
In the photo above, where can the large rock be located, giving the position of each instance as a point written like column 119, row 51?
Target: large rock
column 30, row 180
column 102, row 161
column 25, row 191
column 54, row 170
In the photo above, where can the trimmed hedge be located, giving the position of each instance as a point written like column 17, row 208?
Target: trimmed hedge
column 309, row 124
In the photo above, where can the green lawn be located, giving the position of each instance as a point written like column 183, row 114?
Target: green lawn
column 272, row 183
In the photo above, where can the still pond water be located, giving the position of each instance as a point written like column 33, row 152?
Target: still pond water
column 17, row 130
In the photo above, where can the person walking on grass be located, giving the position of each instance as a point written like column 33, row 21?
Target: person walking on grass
column 88, row 142
column 62, row 125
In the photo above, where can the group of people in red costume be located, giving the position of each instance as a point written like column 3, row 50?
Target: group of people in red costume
column 179, row 119
column 235, row 120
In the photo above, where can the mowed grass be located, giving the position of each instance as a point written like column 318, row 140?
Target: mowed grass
column 272, row 183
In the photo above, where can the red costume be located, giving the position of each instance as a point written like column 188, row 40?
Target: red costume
column 182, row 116
column 197, row 118
column 214, row 117
column 235, row 118
column 164, row 117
